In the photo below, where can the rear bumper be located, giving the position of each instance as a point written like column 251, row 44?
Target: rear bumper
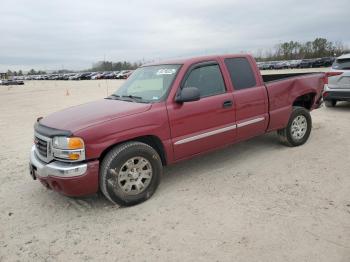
column 70, row 179
column 340, row 95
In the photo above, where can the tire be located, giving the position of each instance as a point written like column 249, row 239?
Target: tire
column 298, row 129
column 130, row 173
column 330, row 103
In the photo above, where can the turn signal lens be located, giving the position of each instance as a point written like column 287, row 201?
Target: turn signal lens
column 74, row 156
column 75, row 143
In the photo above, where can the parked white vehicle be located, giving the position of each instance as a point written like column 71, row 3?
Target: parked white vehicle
column 338, row 87
column 122, row 74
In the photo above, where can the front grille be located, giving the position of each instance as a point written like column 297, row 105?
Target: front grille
column 41, row 146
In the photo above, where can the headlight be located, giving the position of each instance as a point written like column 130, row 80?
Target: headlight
column 68, row 148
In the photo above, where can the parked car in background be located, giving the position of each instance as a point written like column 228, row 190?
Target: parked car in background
column 80, row 76
column 67, row 76
column 323, row 62
column 107, row 75
column 91, row 75
column 111, row 75
column 8, row 82
column 294, row 64
column 115, row 74
column 338, row 87
column 281, row 65
column 306, row 63
column 18, row 78
column 96, row 76
column 123, row 74
column 260, row 65
column 265, row 66
column 120, row 74
column 74, row 77
column 269, row 65
column 126, row 76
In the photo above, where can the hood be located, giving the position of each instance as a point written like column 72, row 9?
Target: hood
column 89, row 114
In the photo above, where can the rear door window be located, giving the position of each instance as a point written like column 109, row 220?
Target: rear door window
column 241, row 73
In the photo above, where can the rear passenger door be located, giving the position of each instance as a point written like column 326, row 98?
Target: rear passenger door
column 250, row 97
column 202, row 125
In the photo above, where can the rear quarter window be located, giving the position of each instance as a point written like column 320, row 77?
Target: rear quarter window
column 241, row 73
column 342, row 64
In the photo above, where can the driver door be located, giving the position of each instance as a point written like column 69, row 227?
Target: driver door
column 205, row 124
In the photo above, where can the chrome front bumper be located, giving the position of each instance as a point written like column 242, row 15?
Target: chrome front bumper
column 39, row 168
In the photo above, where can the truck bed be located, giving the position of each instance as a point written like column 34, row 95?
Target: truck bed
column 284, row 90
column 276, row 77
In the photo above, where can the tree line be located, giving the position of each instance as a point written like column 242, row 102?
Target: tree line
column 319, row 47
column 97, row 67
column 30, row 72
column 114, row 66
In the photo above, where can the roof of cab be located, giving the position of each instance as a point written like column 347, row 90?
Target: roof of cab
column 193, row 60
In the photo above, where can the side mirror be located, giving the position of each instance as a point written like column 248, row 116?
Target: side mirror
column 188, row 94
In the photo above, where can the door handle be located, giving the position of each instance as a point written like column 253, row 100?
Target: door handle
column 227, row 104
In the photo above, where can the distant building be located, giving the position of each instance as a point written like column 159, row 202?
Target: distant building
column 3, row 75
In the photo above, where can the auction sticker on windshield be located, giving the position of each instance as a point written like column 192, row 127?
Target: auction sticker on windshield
column 166, row 71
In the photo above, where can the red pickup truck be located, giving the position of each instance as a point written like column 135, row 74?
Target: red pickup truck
column 164, row 113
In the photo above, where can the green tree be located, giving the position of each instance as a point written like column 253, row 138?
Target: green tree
column 31, row 72
column 320, row 47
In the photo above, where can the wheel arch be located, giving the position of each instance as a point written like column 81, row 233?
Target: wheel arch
column 306, row 100
column 150, row 140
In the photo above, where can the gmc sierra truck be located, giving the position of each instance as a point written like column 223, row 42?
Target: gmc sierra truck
column 165, row 113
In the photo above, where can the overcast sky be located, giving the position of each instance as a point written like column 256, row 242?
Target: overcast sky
column 55, row 34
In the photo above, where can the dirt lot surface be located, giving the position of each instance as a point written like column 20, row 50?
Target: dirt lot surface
column 255, row 201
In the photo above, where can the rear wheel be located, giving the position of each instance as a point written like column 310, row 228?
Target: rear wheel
column 298, row 129
column 130, row 173
column 330, row 103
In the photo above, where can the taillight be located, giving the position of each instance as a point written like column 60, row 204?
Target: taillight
column 325, row 94
column 330, row 74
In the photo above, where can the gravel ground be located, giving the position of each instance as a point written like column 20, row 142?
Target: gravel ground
column 254, row 201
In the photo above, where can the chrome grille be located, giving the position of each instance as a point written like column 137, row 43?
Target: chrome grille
column 41, row 146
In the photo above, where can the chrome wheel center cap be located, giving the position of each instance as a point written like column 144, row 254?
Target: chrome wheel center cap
column 134, row 173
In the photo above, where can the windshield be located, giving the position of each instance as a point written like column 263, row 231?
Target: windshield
column 342, row 64
column 149, row 83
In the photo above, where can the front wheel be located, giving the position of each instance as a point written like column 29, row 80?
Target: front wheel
column 130, row 173
column 298, row 129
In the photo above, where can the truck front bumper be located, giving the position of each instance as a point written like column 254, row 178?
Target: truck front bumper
column 71, row 179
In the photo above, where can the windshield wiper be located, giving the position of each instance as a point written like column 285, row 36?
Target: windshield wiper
column 133, row 97
column 113, row 96
column 130, row 98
